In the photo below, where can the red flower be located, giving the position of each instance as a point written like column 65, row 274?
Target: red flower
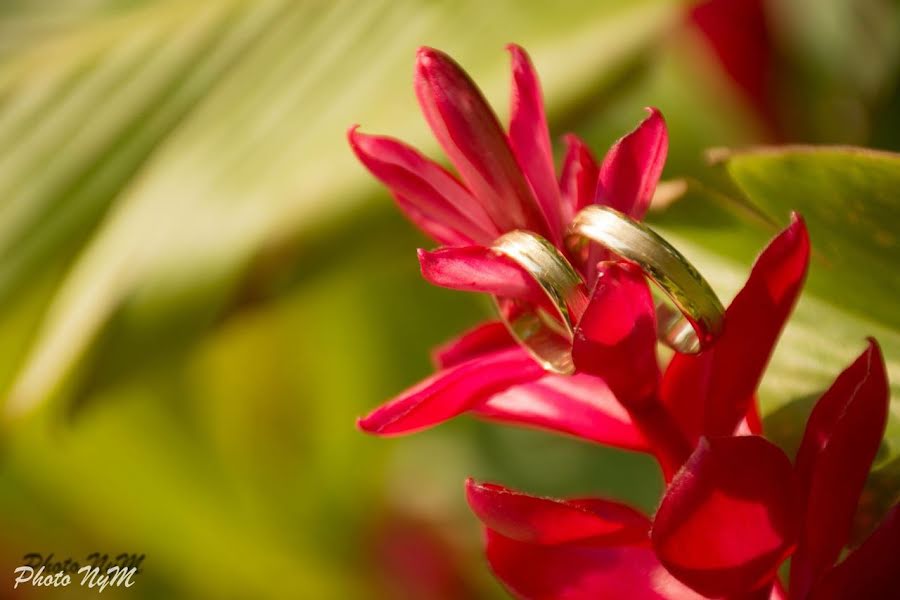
column 506, row 181
column 735, row 507
column 733, row 513
column 738, row 507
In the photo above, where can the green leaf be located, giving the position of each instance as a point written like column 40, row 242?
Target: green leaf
column 850, row 198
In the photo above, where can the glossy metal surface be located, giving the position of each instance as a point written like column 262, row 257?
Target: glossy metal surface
column 546, row 334
column 697, row 317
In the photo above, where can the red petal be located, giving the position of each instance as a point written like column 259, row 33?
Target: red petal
column 529, row 139
column 841, row 439
column 727, row 520
column 578, row 182
column 423, row 185
column 711, row 392
column 870, row 571
column 581, row 571
column 580, row 405
column 435, row 229
column 631, row 168
column 451, row 392
column 548, row 521
column 479, row 269
column 616, row 337
column 629, row 174
column 473, row 139
column 482, row 339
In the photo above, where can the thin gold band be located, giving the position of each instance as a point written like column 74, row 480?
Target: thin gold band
column 698, row 320
column 547, row 337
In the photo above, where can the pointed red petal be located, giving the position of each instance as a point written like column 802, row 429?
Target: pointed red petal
column 580, row 405
column 578, row 182
column 581, row 571
column 419, row 184
column 548, row 521
column 451, row 392
column 529, row 139
column 479, row 269
column 616, row 337
column 841, row 439
column 628, row 176
column 711, row 392
column 473, row 139
column 870, row 571
column 481, row 339
column 727, row 520
column 631, row 168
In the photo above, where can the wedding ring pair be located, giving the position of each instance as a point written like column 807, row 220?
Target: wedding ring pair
column 689, row 318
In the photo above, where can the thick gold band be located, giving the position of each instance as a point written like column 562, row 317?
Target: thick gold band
column 546, row 336
column 697, row 322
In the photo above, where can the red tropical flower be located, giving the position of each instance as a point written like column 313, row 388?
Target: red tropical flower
column 735, row 507
column 733, row 513
column 506, row 181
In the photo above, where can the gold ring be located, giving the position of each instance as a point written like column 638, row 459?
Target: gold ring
column 547, row 337
column 697, row 322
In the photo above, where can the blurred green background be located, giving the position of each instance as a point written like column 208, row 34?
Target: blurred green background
column 200, row 289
